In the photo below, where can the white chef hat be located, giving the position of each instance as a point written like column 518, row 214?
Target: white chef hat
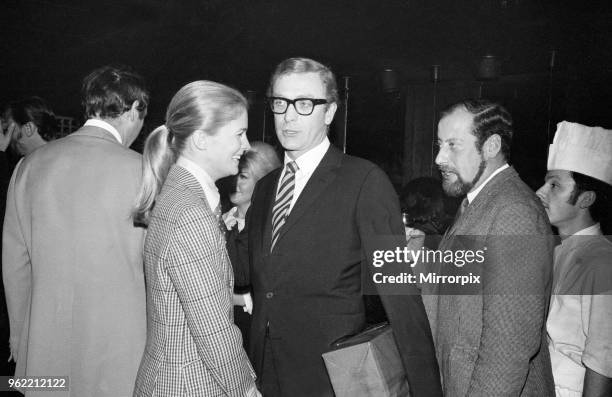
column 578, row 148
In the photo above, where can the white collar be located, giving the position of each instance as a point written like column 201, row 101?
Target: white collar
column 472, row 195
column 208, row 185
column 593, row 230
column 105, row 126
column 308, row 161
column 231, row 219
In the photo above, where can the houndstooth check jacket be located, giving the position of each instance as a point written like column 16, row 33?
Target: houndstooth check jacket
column 193, row 347
column 493, row 343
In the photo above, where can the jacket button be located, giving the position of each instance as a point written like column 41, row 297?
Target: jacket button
column 269, row 295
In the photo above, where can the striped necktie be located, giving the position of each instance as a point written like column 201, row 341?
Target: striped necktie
column 283, row 201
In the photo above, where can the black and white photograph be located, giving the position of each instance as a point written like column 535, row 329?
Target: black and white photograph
column 397, row 198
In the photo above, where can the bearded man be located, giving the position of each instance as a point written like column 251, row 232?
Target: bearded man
column 490, row 338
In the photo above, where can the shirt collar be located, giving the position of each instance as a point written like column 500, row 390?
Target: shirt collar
column 231, row 219
column 593, row 230
column 308, row 161
column 105, row 126
column 208, row 185
column 472, row 195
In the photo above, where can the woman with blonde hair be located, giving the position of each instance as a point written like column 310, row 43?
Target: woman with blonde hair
column 256, row 163
column 193, row 346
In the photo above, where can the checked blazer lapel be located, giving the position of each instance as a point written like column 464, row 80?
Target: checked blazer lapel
column 322, row 177
column 179, row 176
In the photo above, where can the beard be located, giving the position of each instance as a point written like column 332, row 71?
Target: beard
column 461, row 187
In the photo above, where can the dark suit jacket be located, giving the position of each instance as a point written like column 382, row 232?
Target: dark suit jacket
column 309, row 288
column 492, row 343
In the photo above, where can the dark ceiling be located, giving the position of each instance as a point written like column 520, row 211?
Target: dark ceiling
column 49, row 45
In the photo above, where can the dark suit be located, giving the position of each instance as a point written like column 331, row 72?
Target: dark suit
column 237, row 250
column 492, row 343
column 307, row 292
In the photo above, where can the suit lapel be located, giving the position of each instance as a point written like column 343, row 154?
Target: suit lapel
column 319, row 181
column 481, row 200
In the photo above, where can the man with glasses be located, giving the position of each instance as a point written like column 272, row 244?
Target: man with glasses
column 310, row 225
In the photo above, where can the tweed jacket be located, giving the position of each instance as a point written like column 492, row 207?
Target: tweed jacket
column 307, row 292
column 72, row 264
column 493, row 343
column 193, row 348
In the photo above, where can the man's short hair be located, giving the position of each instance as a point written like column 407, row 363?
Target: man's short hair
column 110, row 91
column 306, row 65
column 35, row 110
column 599, row 210
column 489, row 118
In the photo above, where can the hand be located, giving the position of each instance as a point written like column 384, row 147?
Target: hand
column 253, row 392
column 415, row 238
column 238, row 299
column 5, row 139
column 248, row 303
column 412, row 232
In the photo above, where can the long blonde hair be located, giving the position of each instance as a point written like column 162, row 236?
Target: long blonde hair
column 200, row 105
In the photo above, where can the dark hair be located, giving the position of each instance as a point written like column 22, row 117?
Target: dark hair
column 36, row 110
column 423, row 199
column 110, row 91
column 603, row 192
column 306, row 65
column 490, row 118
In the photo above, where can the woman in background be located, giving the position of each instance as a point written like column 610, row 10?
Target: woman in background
column 425, row 209
column 33, row 124
column 254, row 165
column 193, row 346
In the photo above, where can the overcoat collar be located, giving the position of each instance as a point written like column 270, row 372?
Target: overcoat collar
column 96, row 132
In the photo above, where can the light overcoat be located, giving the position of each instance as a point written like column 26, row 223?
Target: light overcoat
column 72, row 264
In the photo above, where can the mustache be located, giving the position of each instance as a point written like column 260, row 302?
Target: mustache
column 443, row 168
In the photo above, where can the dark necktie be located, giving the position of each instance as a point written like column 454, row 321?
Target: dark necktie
column 283, row 201
column 460, row 211
column 463, row 207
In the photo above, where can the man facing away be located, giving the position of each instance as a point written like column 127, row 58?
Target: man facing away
column 490, row 341
column 309, row 224
column 72, row 259
column 576, row 194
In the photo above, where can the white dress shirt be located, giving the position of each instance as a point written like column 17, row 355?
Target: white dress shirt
column 231, row 219
column 105, row 126
column 208, row 185
column 307, row 163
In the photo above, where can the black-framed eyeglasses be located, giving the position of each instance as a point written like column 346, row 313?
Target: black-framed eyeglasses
column 303, row 106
